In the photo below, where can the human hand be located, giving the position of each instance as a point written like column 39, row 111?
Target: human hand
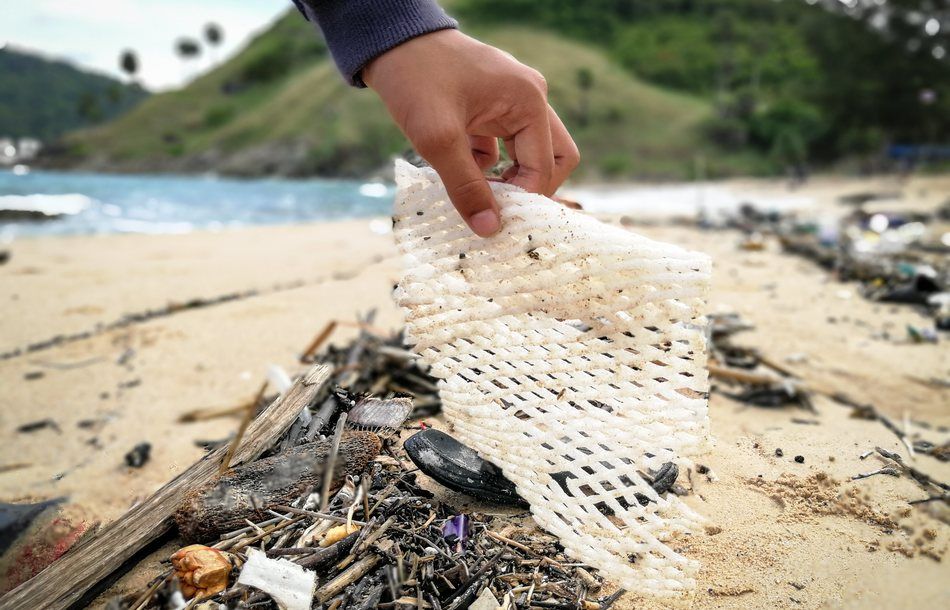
column 453, row 96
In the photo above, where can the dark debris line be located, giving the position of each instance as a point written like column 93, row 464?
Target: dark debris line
column 172, row 308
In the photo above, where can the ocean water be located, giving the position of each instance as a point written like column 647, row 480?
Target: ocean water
column 109, row 203
column 106, row 203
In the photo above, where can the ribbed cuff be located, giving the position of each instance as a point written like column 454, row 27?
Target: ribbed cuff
column 358, row 31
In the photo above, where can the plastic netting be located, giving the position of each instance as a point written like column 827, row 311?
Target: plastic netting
column 572, row 354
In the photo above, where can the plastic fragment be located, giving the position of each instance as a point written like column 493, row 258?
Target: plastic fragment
column 335, row 534
column 291, row 586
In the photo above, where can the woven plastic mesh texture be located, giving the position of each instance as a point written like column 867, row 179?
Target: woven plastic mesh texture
column 571, row 354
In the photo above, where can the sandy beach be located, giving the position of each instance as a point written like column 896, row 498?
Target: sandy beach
column 780, row 534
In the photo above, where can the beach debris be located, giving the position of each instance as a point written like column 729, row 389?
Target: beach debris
column 922, row 478
column 41, row 424
column 338, row 533
column 763, row 381
column 456, row 531
column 886, row 470
column 625, row 392
column 288, row 584
column 249, row 491
column 460, row 468
column 753, row 242
column 278, row 378
column 921, row 335
column 382, row 416
column 485, row 601
column 201, row 570
column 381, row 540
column 138, row 455
column 868, row 411
column 779, row 452
column 307, row 355
column 941, row 452
column 800, row 459
column 47, row 541
column 861, row 197
column 67, row 580
column 33, row 375
column 898, row 256
column 5, row 256
column 15, row 518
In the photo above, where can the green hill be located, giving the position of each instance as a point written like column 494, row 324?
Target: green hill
column 43, row 99
column 280, row 107
column 796, row 83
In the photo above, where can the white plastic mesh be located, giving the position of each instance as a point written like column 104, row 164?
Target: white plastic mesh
column 571, row 354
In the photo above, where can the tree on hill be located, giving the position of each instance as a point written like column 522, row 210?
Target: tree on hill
column 129, row 62
column 187, row 49
column 214, row 36
column 41, row 98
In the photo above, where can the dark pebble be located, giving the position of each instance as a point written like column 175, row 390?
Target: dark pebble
column 139, row 455
column 800, row 459
column 779, row 452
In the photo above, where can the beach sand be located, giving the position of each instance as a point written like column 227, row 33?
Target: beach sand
column 780, row 533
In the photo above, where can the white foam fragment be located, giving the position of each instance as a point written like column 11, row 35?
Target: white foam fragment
column 287, row 583
column 571, row 354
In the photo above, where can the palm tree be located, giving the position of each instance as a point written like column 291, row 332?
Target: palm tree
column 214, row 35
column 187, row 48
column 129, row 62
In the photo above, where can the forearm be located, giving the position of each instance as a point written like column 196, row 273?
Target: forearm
column 358, row 31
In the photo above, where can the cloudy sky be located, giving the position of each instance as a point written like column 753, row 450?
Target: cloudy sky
column 92, row 33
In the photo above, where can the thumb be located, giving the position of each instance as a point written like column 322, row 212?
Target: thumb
column 466, row 184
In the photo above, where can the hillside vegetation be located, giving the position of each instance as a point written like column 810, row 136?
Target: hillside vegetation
column 43, row 99
column 799, row 82
column 660, row 89
column 280, row 107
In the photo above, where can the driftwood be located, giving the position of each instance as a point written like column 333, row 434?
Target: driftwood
column 735, row 375
column 249, row 491
column 66, row 581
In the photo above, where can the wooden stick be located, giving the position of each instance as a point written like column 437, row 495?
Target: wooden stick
column 331, row 462
column 212, row 413
column 318, row 341
column 346, row 578
column 245, row 421
column 730, row 374
column 66, row 581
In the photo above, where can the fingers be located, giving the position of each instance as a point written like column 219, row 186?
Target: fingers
column 534, row 156
column 484, row 150
column 451, row 156
column 566, row 155
column 563, row 154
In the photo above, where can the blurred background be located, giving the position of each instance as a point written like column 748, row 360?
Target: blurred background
column 667, row 90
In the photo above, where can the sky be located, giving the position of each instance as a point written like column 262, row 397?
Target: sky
column 92, row 33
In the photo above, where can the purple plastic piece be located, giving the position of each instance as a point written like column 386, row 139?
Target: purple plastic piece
column 455, row 531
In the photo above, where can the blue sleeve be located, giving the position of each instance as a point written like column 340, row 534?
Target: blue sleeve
column 358, row 31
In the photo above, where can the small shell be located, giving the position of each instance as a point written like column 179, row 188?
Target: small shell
column 338, row 533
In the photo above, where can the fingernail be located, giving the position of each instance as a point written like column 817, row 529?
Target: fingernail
column 485, row 223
